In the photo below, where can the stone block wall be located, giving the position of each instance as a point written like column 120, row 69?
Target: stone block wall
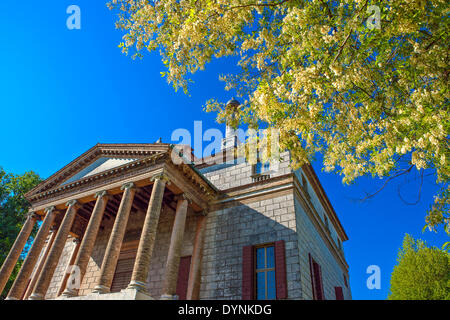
column 239, row 173
column 311, row 242
column 230, row 229
column 61, row 268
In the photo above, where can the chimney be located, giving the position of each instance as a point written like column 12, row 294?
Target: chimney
column 230, row 140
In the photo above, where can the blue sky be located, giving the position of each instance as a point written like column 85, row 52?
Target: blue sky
column 62, row 91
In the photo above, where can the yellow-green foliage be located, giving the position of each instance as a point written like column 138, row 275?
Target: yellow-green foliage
column 422, row 273
column 373, row 101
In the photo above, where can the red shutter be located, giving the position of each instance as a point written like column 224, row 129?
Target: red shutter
column 183, row 277
column 321, row 296
column 248, row 271
column 280, row 270
column 316, row 279
column 311, row 270
column 339, row 293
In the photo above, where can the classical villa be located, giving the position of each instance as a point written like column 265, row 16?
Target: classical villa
column 139, row 221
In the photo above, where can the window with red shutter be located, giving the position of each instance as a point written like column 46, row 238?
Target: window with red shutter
column 264, row 272
column 339, row 293
column 183, row 277
column 316, row 279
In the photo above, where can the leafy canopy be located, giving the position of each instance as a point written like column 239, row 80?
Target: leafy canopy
column 422, row 273
column 13, row 212
column 373, row 101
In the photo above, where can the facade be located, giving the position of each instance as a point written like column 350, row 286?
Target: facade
column 138, row 221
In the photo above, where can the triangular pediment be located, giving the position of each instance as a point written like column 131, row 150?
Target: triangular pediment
column 99, row 165
column 100, row 158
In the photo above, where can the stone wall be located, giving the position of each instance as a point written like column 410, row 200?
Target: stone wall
column 229, row 230
column 239, row 173
column 61, row 268
column 311, row 242
column 264, row 221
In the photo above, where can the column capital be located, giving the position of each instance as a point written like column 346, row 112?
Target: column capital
column 129, row 185
column 33, row 215
column 183, row 196
column 74, row 203
column 161, row 176
column 49, row 209
column 101, row 194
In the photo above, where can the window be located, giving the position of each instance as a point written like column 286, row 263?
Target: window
column 262, row 168
column 345, row 281
column 265, row 273
column 305, row 186
column 316, row 279
column 327, row 225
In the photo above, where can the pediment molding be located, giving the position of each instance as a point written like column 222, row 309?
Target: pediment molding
column 120, row 151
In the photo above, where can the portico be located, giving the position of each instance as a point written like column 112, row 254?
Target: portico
column 111, row 199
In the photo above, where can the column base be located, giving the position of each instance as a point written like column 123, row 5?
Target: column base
column 36, row 296
column 125, row 294
column 169, row 297
column 101, row 289
column 138, row 286
column 70, row 293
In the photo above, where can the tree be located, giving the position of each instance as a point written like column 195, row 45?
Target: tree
column 13, row 210
column 363, row 82
column 421, row 273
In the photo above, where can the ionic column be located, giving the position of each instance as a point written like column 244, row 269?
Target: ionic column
column 16, row 250
column 52, row 260
column 115, row 240
column 87, row 244
column 37, row 270
column 193, row 288
column 147, row 240
column 20, row 284
column 173, row 258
